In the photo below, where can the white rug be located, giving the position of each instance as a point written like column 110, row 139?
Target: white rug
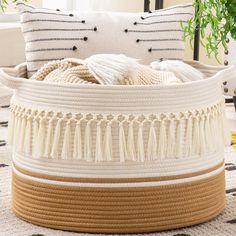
column 10, row 225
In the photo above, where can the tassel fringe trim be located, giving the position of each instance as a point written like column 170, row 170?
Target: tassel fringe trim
column 138, row 138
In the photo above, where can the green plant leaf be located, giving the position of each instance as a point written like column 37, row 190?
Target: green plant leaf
column 219, row 16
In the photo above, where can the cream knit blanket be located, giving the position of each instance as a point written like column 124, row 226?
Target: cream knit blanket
column 103, row 69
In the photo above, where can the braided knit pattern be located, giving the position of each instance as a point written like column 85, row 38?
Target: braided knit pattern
column 146, row 76
column 78, row 74
column 46, row 69
column 66, row 71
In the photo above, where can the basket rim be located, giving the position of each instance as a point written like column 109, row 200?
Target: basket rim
column 15, row 82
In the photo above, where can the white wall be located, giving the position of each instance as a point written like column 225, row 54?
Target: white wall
column 97, row 5
column 231, row 57
column 12, row 44
column 111, row 5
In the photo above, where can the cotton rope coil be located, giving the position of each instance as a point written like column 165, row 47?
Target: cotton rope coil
column 118, row 159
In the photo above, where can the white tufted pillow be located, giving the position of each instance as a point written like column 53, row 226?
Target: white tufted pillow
column 53, row 34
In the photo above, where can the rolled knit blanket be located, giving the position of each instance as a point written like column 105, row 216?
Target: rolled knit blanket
column 103, row 69
column 65, row 71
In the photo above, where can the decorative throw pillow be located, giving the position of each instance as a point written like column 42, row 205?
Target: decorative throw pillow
column 53, row 34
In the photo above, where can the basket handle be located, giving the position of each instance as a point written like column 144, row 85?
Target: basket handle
column 10, row 76
column 228, row 77
column 226, row 74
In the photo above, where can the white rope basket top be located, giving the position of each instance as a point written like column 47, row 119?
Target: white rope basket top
column 117, row 122
column 118, row 99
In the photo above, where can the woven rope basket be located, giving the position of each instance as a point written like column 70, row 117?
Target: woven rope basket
column 117, row 159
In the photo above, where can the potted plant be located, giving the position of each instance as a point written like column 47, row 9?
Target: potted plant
column 219, row 16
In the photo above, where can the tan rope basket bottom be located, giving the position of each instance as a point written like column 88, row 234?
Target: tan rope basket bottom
column 119, row 209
